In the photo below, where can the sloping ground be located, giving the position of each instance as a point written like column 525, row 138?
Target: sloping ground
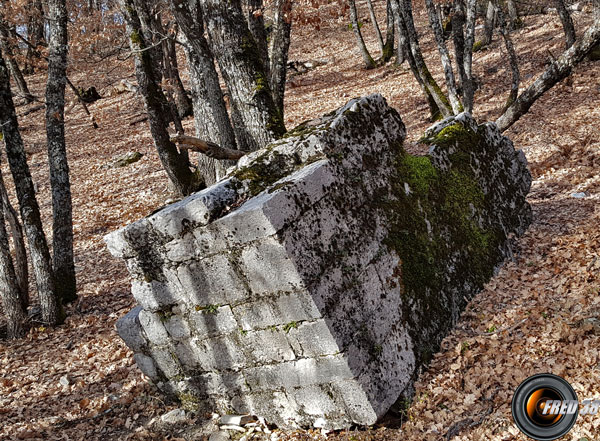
column 535, row 316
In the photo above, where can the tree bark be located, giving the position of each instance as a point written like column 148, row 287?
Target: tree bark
column 176, row 165
column 420, row 69
column 52, row 312
column 21, row 269
column 35, row 32
column 7, row 47
column 62, row 211
column 445, row 57
column 401, row 50
column 375, row 25
column 489, row 24
column 559, row 69
column 182, row 100
column 210, row 112
column 364, row 52
column 237, row 53
column 279, row 49
column 390, row 34
column 256, row 25
column 468, row 84
column 514, row 63
column 10, row 292
column 567, row 23
column 513, row 14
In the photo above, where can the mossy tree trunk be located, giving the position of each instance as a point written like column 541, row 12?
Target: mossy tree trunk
column 364, row 52
column 238, row 57
column 567, row 23
column 558, row 70
column 52, row 312
column 62, row 211
column 210, row 112
column 176, row 164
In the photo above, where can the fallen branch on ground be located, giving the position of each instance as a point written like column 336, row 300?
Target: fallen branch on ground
column 207, row 148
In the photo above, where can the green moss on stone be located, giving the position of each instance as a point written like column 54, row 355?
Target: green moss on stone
column 189, row 401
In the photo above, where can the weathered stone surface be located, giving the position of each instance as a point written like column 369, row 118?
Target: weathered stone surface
column 316, row 299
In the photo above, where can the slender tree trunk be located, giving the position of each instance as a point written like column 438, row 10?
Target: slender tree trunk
column 256, row 24
column 279, row 49
column 237, row 53
column 490, row 23
column 210, row 112
column 468, row 84
column 7, row 48
column 10, row 292
column 35, row 33
column 153, row 31
column 445, row 57
column 401, row 50
column 567, row 22
column 514, row 63
column 62, row 227
column 390, row 34
column 513, row 14
column 182, row 100
column 364, row 52
column 175, row 164
column 559, row 69
column 52, row 312
column 375, row 25
column 21, row 269
column 420, row 69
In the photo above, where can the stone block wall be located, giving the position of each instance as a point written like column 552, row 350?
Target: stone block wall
column 310, row 284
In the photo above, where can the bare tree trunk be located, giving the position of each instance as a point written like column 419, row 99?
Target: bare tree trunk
column 175, row 164
column 514, row 63
column 7, row 48
column 468, row 84
column 279, row 49
column 35, row 33
column 182, row 100
column 62, row 227
column 458, row 19
column 434, row 92
column 364, row 52
column 21, row 269
column 445, row 57
column 513, row 14
column 567, row 22
column 10, row 292
column 401, row 50
column 256, row 24
column 236, row 52
column 559, row 69
column 52, row 312
column 375, row 25
column 490, row 23
column 210, row 113
column 390, row 34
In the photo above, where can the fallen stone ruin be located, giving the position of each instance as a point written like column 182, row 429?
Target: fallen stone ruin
column 311, row 284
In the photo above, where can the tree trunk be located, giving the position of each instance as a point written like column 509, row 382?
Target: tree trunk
column 256, row 24
column 401, row 50
column 490, row 23
column 434, row 92
column 513, row 14
column 152, row 28
column 514, row 63
column 175, row 164
column 444, row 55
column 52, row 312
column 35, row 33
column 7, row 48
column 10, row 292
column 364, row 52
column 279, row 49
column 210, row 113
column 375, row 25
column 239, row 61
column 559, row 69
column 390, row 34
column 21, row 269
column 567, row 22
column 182, row 100
column 468, row 84
column 62, row 227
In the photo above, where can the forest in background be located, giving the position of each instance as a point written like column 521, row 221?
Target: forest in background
column 557, row 135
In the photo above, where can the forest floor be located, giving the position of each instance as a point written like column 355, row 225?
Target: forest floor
column 541, row 313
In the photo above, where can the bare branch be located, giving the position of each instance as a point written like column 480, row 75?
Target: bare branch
column 207, row 148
